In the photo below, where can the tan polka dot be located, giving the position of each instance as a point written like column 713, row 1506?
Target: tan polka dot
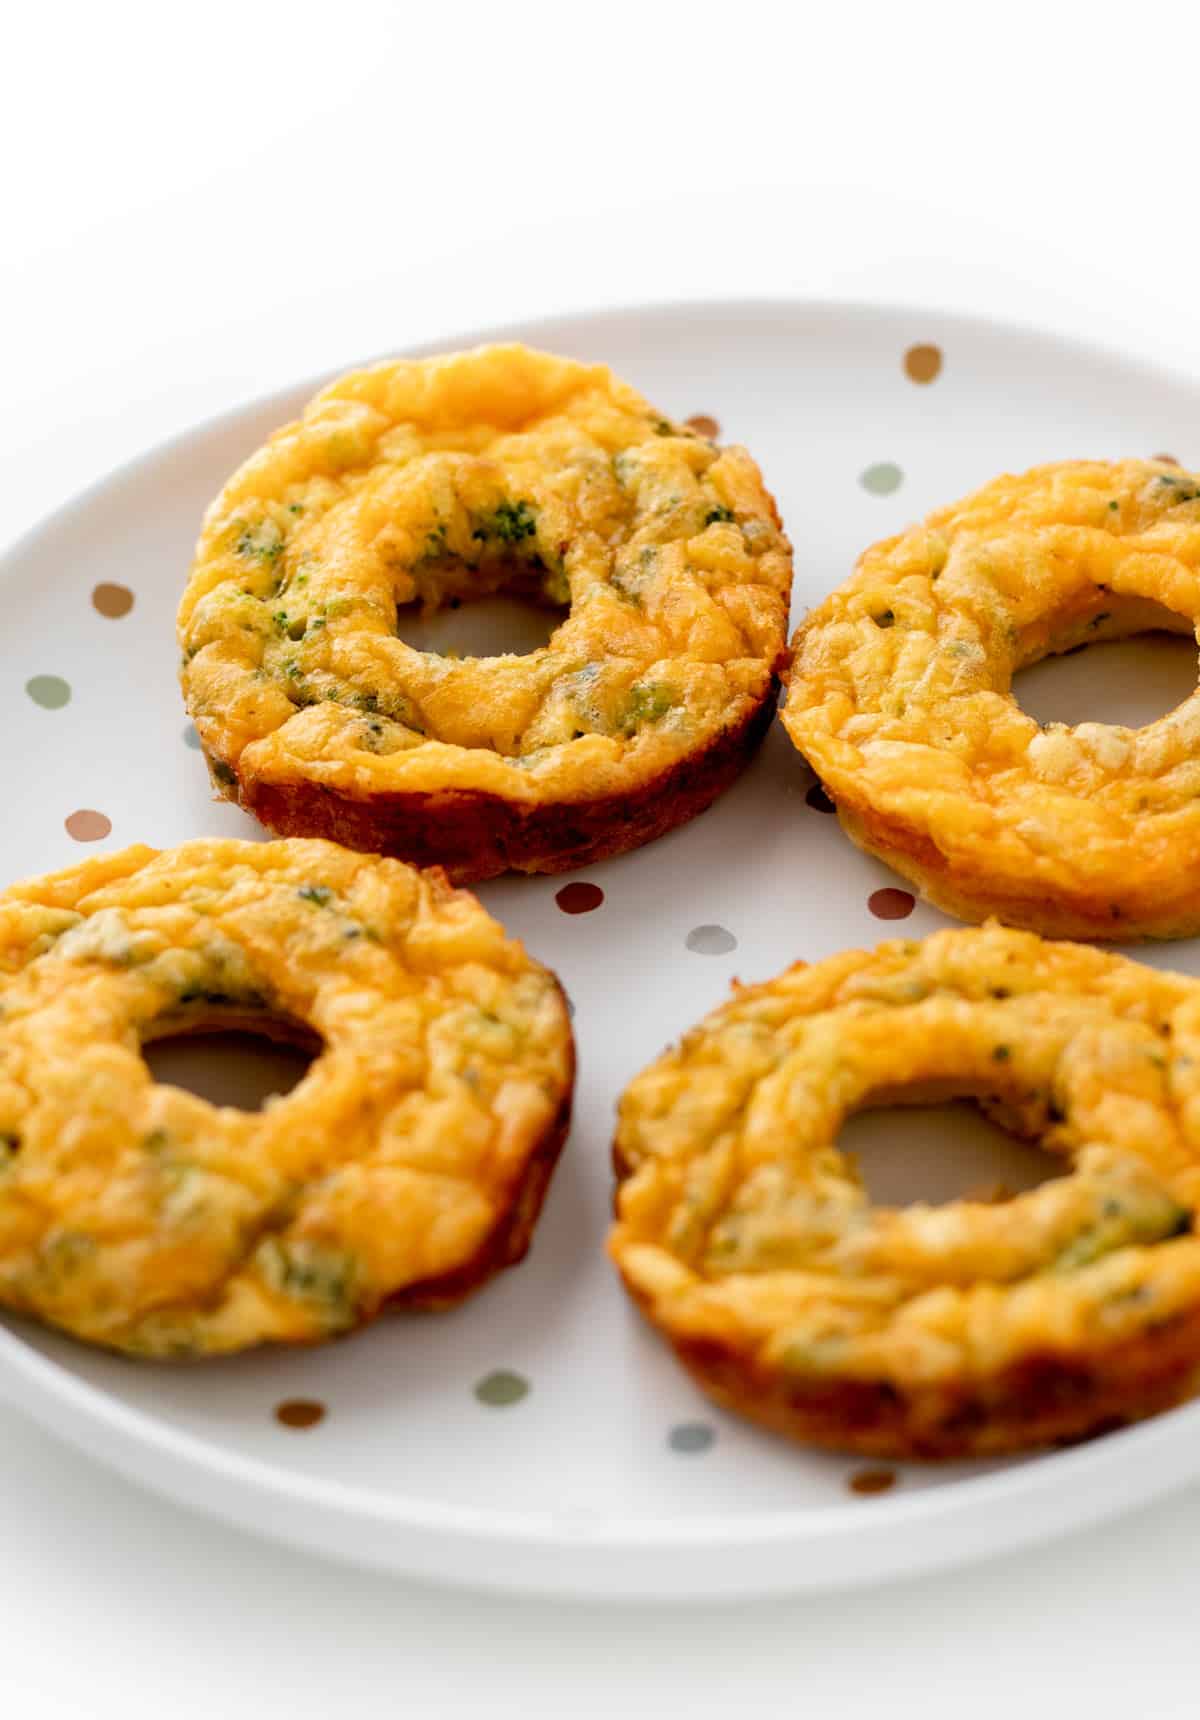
column 923, row 363
column 867, row 1481
column 299, row 1412
column 1167, row 459
column 112, row 601
column 88, row 826
column 891, row 904
column 579, row 898
column 703, row 425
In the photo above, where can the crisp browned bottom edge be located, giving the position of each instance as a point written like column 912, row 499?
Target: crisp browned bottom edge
column 477, row 836
column 508, row 1241
column 975, row 896
column 1043, row 1400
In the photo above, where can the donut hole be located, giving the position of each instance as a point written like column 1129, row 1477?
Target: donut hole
column 232, row 1061
column 502, row 623
column 506, row 603
column 1129, row 662
column 909, row 1152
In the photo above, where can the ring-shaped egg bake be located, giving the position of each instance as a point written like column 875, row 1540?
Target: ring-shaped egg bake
column 970, row 1328
column 407, row 1165
column 900, row 697
column 421, row 483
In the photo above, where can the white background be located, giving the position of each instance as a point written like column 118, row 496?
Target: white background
column 202, row 203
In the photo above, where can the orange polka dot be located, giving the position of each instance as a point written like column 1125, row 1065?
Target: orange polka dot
column 923, row 363
column 88, row 826
column 703, row 425
column 112, row 601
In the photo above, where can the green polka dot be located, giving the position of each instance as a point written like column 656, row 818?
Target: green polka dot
column 691, row 1437
column 191, row 738
column 882, row 479
column 711, row 941
column 501, row 1388
column 51, row 692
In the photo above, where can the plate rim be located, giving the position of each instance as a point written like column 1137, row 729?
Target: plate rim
column 72, row 1406
column 547, row 1529
column 974, row 323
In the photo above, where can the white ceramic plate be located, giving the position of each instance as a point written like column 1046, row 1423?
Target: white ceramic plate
column 610, row 1475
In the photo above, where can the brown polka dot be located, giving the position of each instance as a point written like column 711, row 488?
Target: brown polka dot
column 579, row 898
column 88, row 826
column 112, row 601
column 819, row 800
column 923, row 363
column 299, row 1412
column 703, row 425
column 891, row 904
column 871, row 1481
column 1167, row 459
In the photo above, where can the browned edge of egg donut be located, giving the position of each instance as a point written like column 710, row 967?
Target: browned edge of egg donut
column 507, row 1243
column 973, row 897
column 1043, row 1400
column 475, row 835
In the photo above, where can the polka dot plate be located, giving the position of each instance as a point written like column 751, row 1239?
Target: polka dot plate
column 541, row 1437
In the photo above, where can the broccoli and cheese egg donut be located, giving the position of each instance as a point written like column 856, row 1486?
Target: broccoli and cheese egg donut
column 749, row 1241
column 433, row 481
column 407, row 1166
column 900, row 698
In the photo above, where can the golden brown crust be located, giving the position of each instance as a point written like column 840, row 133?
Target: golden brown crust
column 900, row 697
column 966, row 896
column 1046, row 1400
column 475, row 836
column 424, row 482
column 973, row 1328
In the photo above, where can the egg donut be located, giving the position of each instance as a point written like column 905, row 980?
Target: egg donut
column 420, row 483
column 407, row 1166
column 966, row 1329
column 900, row 698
